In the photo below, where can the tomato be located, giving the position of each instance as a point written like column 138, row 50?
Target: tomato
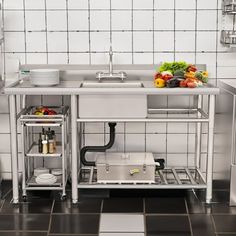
column 191, row 68
column 167, row 77
column 183, row 83
column 158, row 75
column 191, row 85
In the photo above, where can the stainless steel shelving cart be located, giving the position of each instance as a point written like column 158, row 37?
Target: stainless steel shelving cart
column 30, row 124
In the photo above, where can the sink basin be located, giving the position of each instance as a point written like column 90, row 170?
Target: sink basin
column 99, row 106
column 111, row 85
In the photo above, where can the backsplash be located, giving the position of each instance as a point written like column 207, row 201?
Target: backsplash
column 140, row 32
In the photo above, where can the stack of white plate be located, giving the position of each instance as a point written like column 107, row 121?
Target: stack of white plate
column 44, row 77
column 46, row 179
column 41, row 170
column 56, row 172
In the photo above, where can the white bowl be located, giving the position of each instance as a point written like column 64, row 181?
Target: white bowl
column 46, row 179
column 44, row 77
column 40, row 170
column 56, row 172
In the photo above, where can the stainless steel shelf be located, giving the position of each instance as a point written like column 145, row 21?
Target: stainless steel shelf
column 161, row 115
column 33, row 152
column 32, row 183
column 169, row 178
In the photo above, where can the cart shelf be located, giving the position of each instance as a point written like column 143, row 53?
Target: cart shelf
column 32, row 183
column 33, row 152
column 169, row 178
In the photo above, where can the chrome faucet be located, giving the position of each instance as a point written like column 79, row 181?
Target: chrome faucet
column 111, row 75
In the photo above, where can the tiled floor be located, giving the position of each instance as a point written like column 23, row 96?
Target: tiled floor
column 125, row 213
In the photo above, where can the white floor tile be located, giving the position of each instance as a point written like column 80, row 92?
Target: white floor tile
column 116, row 223
column 121, row 234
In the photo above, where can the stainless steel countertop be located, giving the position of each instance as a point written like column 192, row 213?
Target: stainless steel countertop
column 228, row 85
column 69, row 87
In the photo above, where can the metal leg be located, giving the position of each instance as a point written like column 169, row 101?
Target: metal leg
column 233, row 166
column 14, row 148
column 209, row 173
column 63, row 160
column 198, row 134
column 74, row 151
column 23, row 160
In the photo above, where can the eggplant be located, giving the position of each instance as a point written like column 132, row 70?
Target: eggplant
column 173, row 83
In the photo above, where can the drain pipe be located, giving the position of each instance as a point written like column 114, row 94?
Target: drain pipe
column 98, row 148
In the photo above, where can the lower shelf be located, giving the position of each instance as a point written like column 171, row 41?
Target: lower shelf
column 31, row 183
column 169, row 178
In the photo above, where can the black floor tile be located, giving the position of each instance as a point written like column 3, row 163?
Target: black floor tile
column 217, row 196
column 220, row 196
column 6, row 186
column 23, row 234
column 221, row 184
column 31, row 206
column 165, row 206
column 222, row 208
column 122, row 205
column 24, row 222
column 226, row 234
column 225, row 223
column 202, row 225
column 195, row 206
column 75, row 224
column 84, row 206
column 146, row 193
column 168, row 225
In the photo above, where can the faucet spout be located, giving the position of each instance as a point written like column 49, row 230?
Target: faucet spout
column 110, row 74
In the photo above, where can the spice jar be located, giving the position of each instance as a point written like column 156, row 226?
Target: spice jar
column 51, row 146
column 45, row 146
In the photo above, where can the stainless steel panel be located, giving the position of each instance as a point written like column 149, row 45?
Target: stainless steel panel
column 233, row 186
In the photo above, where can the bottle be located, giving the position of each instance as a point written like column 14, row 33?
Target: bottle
column 43, row 134
column 50, row 144
column 45, row 146
column 54, row 140
column 40, row 144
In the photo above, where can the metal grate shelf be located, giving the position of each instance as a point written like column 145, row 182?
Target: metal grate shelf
column 169, row 178
column 228, row 38
column 229, row 7
column 32, row 183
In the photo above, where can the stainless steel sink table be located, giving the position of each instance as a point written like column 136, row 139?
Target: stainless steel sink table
column 73, row 89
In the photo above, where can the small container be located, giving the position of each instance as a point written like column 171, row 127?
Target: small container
column 45, row 146
column 51, row 146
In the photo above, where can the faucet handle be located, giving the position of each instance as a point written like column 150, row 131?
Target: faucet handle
column 123, row 75
column 99, row 75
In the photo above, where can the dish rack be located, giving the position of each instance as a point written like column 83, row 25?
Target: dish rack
column 228, row 37
column 31, row 124
column 229, row 7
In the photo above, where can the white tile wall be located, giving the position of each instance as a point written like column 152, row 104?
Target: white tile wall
column 150, row 31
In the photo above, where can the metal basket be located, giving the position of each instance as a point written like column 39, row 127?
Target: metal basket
column 229, row 7
column 228, row 37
